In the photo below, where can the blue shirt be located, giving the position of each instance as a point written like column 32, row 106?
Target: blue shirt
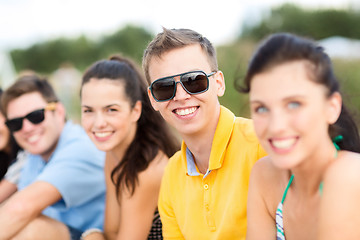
column 76, row 170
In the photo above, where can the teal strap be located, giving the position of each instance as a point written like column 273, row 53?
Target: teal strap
column 287, row 188
column 321, row 188
column 336, row 140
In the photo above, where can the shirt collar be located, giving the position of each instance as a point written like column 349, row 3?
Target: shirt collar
column 220, row 141
column 191, row 166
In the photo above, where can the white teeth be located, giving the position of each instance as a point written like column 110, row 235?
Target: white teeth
column 282, row 144
column 33, row 138
column 102, row 134
column 186, row 111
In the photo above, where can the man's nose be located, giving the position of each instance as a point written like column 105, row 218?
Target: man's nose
column 180, row 92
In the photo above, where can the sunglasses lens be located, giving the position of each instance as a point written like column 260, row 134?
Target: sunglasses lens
column 14, row 124
column 36, row 116
column 195, row 82
column 163, row 89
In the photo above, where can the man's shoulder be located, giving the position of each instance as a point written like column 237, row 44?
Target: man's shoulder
column 176, row 165
column 175, row 161
column 73, row 130
column 75, row 142
column 244, row 122
column 227, row 118
column 244, row 127
column 73, row 134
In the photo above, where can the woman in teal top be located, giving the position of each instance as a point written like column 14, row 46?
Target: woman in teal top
column 297, row 111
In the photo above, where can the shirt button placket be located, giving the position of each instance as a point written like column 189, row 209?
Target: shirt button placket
column 209, row 217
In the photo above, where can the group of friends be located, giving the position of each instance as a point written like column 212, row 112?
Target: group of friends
column 158, row 157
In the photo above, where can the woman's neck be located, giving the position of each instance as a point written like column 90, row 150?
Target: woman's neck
column 118, row 152
column 309, row 174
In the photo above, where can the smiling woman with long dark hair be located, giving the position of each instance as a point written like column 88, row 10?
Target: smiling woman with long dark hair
column 118, row 117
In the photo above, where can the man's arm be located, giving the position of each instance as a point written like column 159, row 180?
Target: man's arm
column 6, row 189
column 24, row 206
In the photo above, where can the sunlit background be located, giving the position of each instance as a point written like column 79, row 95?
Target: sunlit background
column 60, row 38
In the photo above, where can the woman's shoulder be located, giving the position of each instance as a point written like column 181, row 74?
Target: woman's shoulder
column 269, row 177
column 345, row 168
column 155, row 170
column 341, row 192
column 268, row 182
column 266, row 170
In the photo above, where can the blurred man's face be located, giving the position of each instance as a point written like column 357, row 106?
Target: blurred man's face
column 37, row 138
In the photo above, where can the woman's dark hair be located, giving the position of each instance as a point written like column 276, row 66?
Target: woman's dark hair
column 285, row 47
column 152, row 134
column 7, row 157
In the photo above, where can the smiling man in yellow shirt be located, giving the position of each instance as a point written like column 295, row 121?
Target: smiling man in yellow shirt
column 204, row 188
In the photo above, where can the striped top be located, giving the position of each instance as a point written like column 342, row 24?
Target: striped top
column 280, row 235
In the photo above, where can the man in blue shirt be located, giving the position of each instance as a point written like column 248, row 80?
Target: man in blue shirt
column 62, row 187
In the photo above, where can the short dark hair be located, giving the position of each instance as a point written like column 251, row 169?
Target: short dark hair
column 28, row 84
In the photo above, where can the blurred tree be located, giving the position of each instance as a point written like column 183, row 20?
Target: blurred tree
column 233, row 60
column 318, row 24
column 130, row 41
column 47, row 56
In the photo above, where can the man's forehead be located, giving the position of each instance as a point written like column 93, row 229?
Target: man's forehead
column 25, row 104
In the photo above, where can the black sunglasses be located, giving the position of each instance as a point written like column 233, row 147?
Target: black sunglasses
column 34, row 117
column 194, row 82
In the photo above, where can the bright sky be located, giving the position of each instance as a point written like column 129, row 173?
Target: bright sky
column 25, row 22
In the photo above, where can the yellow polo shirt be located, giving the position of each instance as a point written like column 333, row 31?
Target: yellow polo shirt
column 194, row 206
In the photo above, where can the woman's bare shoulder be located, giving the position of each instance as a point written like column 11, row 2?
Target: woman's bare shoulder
column 266, row 170
column 267, row 184
column 340, row 198
column 269, row 179
column 345, row 169
column 155, row 170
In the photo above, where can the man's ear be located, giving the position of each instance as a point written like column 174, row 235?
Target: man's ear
column 60, row 110
column 220, row 83
column 334, row 107
column 152, row 100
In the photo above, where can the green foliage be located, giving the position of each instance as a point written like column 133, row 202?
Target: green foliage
column 130, row 41
column 233, row 58
column 318, row 24
column 233, row 61
column 348, row 73
column 46, row 57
